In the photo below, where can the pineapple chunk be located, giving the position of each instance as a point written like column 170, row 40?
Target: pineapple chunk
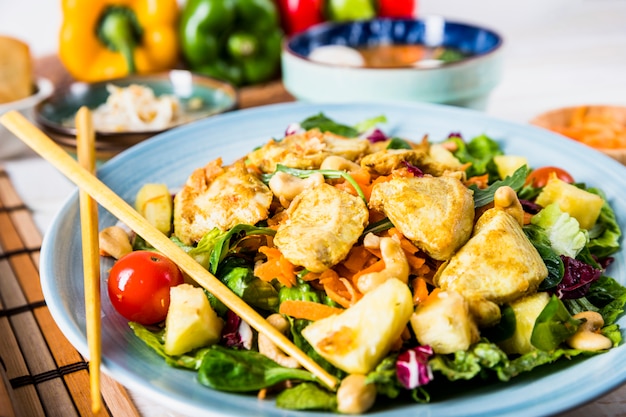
column 526, row 310
column 508, row 164
column 580, row 204
column 443, row 156
column 191, row 322
column 359, row 337
column 443, row 321
column 154, row 202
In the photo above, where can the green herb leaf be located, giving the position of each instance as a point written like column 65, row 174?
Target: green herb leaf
column 327, row 173
column 324, row 124
column 482, row 197
column 230, row 238
column 553, row 326
column 244, row 370
column 241, row 280
column 307, row 396
column 398, row 143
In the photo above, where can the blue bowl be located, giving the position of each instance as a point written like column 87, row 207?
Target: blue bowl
column 465, row 83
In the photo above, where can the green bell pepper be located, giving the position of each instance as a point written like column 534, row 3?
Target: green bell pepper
column 234, row 40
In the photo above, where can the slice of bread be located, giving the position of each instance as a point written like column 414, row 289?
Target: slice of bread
column 16, row 70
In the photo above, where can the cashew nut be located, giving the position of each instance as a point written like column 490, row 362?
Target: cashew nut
column 505, row 198
column 371, row 241
column 286, row 187
column 114, row 241
column 588, row 336
column 396, row 266
column 269, row 349
column 339, row 163
column 354, row 395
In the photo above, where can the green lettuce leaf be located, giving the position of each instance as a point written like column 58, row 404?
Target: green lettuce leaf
column 604, row 237
column 307, row 396
column 155, row 340
column 566, row 236
column 479, row 152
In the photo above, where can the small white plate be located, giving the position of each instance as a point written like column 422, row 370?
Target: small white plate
column 10, row 145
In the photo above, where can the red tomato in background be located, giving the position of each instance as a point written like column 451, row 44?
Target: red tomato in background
column 539, row 177
column 298, row 15
column 397, row 8
column 139, row 286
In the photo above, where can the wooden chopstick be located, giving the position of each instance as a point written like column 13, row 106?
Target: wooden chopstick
column 86, row 181
column 85, row 146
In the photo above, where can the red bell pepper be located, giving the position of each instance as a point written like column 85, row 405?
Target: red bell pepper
column 298, row 15
column 397, row 8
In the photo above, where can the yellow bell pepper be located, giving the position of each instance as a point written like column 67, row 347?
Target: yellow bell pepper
column 104, row 39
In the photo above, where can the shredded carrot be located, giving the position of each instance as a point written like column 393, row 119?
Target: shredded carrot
column 375, row 267
column 527, row 217
column 481, row 181
column 375, row 215
column 601, row 127
column 339, row 299
column 381, row 179
column 375, row 252
column 276, row 267
column 416, row 263
column 355, row 294
column 405, row 243
column 310, row 276
column 339, row 289
column 331, row 280
column 361, row 176
column 357, row 258
column 420, row 290
column 432, row 296
column 364, row 180
column 308, row 310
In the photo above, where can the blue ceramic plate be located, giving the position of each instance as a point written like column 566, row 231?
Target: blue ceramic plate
column 170, row 157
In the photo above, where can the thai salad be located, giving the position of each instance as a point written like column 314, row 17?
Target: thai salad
column 405, row 267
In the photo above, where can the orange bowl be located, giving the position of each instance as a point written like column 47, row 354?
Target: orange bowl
column 598, row 126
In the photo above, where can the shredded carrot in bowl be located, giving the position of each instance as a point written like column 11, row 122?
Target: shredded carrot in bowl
column 601, row 127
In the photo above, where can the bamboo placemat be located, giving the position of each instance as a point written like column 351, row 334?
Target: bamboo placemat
column 41, row 372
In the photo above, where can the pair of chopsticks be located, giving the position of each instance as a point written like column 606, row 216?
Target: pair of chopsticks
column 119, row 208
column 86, row 152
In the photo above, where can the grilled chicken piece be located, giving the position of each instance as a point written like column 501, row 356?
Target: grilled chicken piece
column 306, row 150
column 497, row 265
column 435, row 213
column 324, row 222
column 385, row 161
column 430, row 159
column 222, row 197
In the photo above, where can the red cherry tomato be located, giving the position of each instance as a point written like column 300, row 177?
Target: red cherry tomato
column 539, row 177
column 397, row 8
column 139, row 286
